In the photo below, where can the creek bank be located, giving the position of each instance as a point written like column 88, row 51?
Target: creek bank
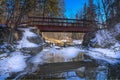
column 105, row 38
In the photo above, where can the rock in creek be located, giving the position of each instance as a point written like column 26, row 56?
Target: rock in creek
column 31, row 41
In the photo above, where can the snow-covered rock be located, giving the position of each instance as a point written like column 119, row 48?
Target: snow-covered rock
column 104, row 44
column 30, row 41
column 104, row 38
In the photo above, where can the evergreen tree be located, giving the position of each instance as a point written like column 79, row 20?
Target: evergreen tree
column 49, row 8
column 91, row 12
column 54, row 8
column 111, row 11
column 85, row 11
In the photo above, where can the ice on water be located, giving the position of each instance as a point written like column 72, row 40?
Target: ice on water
column 16, row 61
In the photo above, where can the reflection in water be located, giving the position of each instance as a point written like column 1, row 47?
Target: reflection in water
column 27, row 59
column 96, row 73
column 103, row 71
column 101, row 76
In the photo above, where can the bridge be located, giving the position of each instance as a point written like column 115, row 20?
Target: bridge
column 47, row 24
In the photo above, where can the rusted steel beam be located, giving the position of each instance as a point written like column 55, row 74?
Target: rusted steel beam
column 56, row 28
column 47, row 24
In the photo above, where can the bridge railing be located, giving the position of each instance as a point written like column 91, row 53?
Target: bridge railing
column 60, row 22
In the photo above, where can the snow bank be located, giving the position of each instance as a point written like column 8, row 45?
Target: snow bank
column 106, row 38
column 107, row 52
column 103, row 37
column 106, row 45
column 108, row 55
column 15, row 62
column 24, row 42
column 77, row 41
column 117, row 28
column 27, row 32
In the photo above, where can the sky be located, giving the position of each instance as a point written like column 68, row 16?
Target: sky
column 73, row 6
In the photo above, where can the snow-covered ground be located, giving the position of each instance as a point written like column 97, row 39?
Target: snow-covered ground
column 12, row 62
column 24, row 42
column 77, row 41
column 17, row 61
column 104, row 54
column 109, row 46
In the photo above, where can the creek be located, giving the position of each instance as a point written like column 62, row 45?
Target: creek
column 31, row 52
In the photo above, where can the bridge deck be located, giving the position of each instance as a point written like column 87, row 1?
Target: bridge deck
column 46, row 24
